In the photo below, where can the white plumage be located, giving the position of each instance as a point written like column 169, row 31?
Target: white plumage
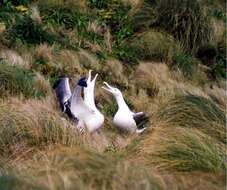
column 82, row 111
column 124, row 118
column 97, row 120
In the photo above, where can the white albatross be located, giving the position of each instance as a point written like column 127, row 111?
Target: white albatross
column 89, row 98
column 73, row 104
column 86, row 115
column 124, row 118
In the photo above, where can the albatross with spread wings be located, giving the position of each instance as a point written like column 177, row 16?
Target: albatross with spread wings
column 83, row 112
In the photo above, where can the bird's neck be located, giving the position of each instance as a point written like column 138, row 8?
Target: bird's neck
column 77, row 92
column 121, row 103
column 89, row 97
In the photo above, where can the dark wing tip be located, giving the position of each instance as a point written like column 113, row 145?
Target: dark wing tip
column 141, row 120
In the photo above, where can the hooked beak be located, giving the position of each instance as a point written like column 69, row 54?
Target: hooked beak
column 107, row 87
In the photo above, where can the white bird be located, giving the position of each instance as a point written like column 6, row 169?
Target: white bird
column 124, row 118
column 79, row 109
column 89, row 93
column 73, row 104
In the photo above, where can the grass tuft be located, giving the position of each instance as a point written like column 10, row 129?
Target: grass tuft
column 189, row 150
column 195, row 112
column 15, row 80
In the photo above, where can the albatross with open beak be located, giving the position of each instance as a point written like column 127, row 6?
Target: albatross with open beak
column 89, row 98
column 74, row 105
column 125, row 119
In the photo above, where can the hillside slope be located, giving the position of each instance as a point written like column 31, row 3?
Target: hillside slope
column 169, row 59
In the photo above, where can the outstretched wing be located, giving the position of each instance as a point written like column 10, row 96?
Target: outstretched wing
column 141, row 119
column 63, row 91
column 77, row 106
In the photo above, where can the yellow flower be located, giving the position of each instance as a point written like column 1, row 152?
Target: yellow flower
column 21, row 8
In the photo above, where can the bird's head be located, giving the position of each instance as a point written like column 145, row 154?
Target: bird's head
column 116, row 92
column 82, row 82
column 89, row 80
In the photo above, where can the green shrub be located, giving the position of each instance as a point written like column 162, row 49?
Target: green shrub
column 29, row 31
column 125, row 52
column 219, row 14
column 67, row 14
column 8, row 13
column 17, row 2
column 15, row 80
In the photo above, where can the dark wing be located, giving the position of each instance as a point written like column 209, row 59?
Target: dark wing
column 69, row 113
column 141, row 119
column 63, row 92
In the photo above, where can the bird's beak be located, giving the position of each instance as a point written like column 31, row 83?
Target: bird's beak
column 89, row 75
column 107, row 87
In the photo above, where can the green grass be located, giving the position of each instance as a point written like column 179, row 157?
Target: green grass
column 15, row 80
column 195, row 112
column 190, row 150
column 28, row 31
column 155, row 45
column 186, row 63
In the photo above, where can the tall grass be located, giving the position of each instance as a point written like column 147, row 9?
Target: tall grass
column 27, row 128
column 188, row 150
column 195, row 112
column 78, row 168
column 186, row 20
column 155, row 45
column 15, row 80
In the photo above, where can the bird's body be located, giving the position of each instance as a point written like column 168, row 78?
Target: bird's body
column 79, row 109
column 97, row 120
column 74, row 106
column 124, row 118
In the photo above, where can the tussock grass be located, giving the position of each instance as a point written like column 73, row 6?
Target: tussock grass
column 15, row 80
column 155, row 45
column 187, row 150
column 186, row 20
column 40, row 149
column 81, row 169
column 27, row 127
column 196, row 112
column 52, row 62
column 13, row 57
